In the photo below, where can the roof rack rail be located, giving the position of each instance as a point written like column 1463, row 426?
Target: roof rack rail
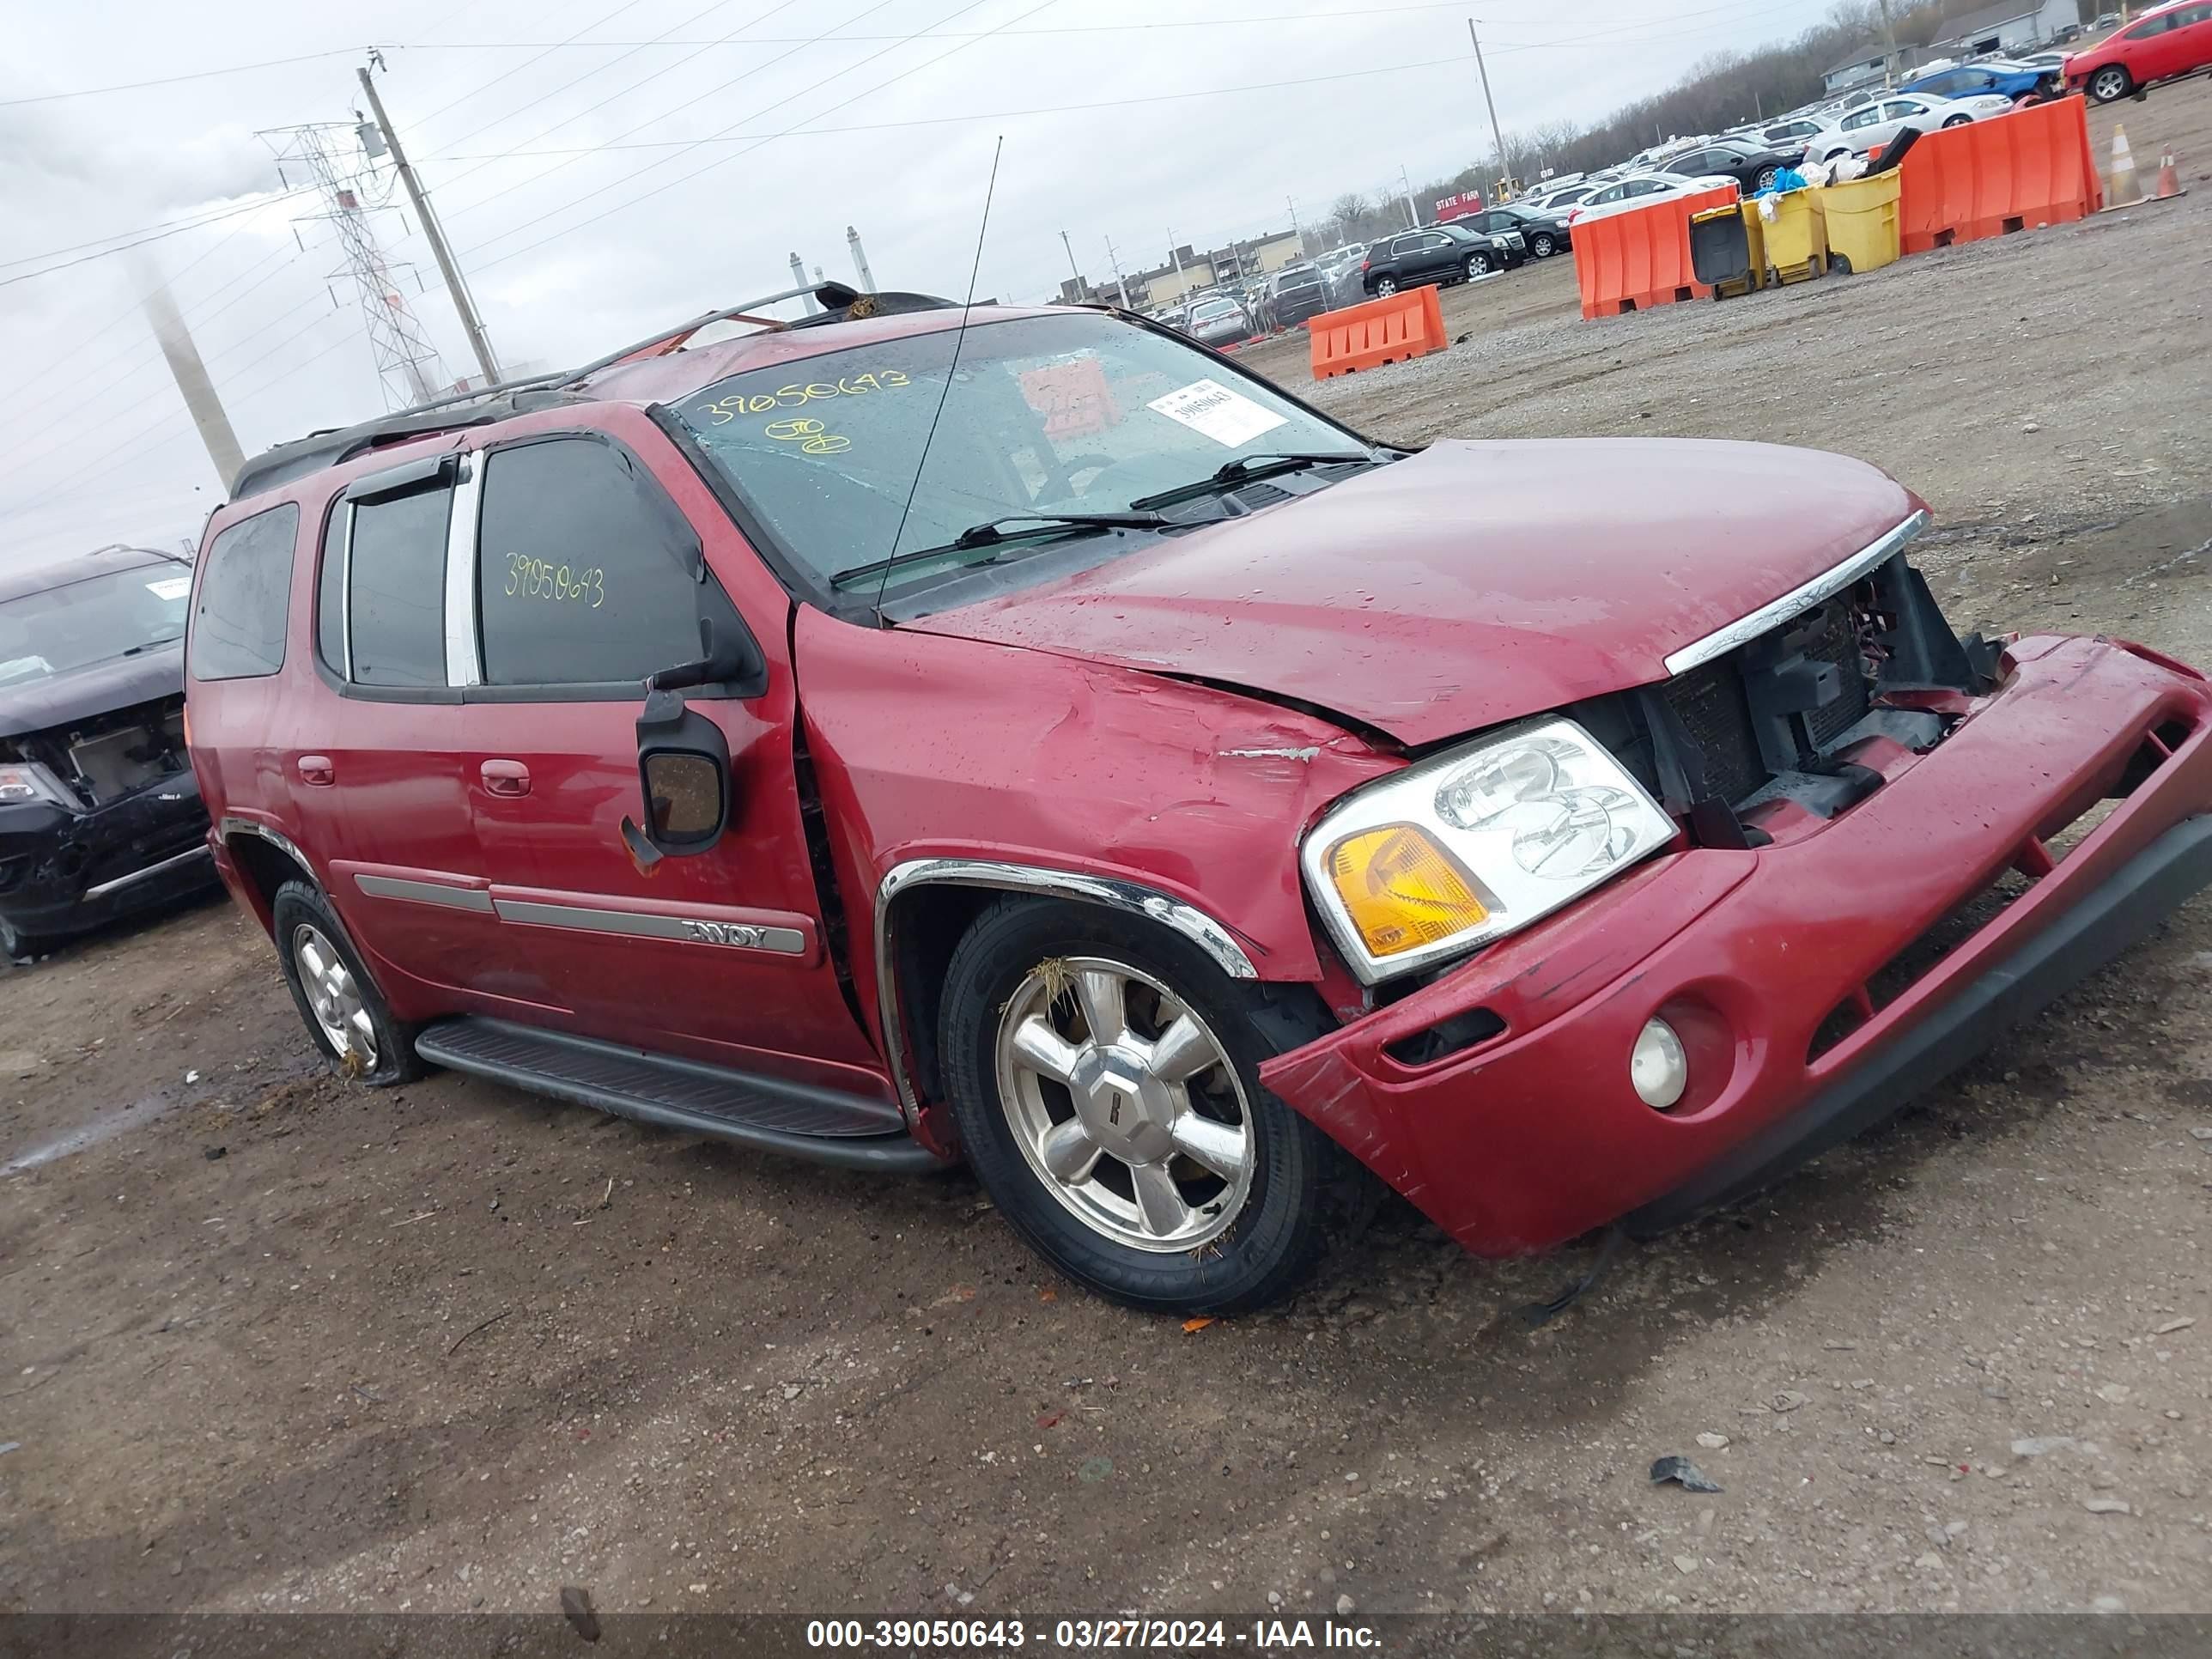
column 284, row 462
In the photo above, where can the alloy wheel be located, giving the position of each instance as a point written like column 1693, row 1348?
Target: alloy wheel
column 333, row 995
column 2109, row 83
column 1478, row 265
column 1125, row 1104
column 1385, row 287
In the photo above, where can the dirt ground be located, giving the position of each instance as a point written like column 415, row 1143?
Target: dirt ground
column 268, row 1342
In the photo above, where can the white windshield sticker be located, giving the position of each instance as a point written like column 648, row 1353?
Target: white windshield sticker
column 1211, row 408
column 170, row 588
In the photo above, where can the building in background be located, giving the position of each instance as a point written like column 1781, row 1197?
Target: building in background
column 2013, row 26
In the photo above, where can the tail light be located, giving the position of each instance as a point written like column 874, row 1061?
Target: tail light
column 1366, row 266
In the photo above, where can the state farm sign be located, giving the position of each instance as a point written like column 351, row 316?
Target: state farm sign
column 1458, row 206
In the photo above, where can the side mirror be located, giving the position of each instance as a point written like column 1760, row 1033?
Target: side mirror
column 682, row 764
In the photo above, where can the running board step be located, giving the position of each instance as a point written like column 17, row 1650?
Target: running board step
column 770, row 1113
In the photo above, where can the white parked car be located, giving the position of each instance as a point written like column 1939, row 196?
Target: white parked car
column 1640, row 190
column 1869, row 128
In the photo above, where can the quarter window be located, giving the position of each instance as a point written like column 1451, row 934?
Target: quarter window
column 396, row 596
column 586, row 573
column 245, row 598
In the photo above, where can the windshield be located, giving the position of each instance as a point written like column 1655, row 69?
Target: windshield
column 110, row 615
column 1054, row 415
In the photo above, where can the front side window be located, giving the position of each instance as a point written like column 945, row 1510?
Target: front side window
column 586, row 573
column 245, row 598
column 1044, row 415
column 396, row 589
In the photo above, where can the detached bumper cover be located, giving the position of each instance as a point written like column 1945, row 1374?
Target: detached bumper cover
column 63, row 872
column 1535, row 1135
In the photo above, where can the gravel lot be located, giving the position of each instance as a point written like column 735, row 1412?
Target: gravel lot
column 268, row 1342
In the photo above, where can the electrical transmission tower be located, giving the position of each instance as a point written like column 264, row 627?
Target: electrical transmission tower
column 331, row 155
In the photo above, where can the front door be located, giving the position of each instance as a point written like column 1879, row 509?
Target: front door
column 588, row 578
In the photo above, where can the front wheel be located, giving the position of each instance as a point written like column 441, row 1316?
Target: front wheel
column 1542, row 245
column 1765, row 180
column 22, row 948
column 2111, row 83
column 1104, row 1078
column 1478, row 265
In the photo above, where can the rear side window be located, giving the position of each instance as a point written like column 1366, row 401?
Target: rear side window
column 244, row 597
column 395, row 593
column 586, row 573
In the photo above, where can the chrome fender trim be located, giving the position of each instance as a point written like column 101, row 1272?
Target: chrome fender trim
column 1193, row 924
column 230, row 826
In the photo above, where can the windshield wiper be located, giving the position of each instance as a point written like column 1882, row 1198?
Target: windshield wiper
column 991, row 534
column 1243, row 469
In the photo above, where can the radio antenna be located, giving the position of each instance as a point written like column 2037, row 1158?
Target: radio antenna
column 967, row 307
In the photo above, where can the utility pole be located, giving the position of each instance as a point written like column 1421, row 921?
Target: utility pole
column 1291, row 204
column 859, row 261
column 1497, row 135
column 1412, row 213
column 1074, row 270
column 1113, row 260
column 199, row 394
column 463, row 302
column 1889, row 47
column 1175, row 254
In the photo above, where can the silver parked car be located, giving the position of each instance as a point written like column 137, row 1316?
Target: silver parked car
column 1219, row 320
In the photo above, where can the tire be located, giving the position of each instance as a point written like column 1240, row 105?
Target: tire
column 2111, row 83
column 1958, row 121
column 303, row 916
column 1839, row 265
column 21, row 948
column 1478, row 265
column 1385, row 287
column 1542, row 245
column 1226, row 1239
column 1764, row 180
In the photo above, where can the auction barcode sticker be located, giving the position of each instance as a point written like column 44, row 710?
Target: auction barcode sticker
column 1211, row 408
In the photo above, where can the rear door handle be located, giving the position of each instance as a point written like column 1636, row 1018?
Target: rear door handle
column 317, row 771
column 505, row 777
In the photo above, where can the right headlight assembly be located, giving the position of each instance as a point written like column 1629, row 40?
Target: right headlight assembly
column 1465, row 847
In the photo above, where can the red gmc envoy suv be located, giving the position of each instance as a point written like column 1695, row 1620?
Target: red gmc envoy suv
column 1022, row 736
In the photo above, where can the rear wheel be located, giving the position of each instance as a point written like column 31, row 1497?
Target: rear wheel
column 345, row 1013
column 2111, row 82
column 1104, row 1078
column 1958, row 121
column 1385, row 287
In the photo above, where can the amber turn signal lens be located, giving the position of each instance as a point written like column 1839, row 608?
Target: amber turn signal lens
column 1401, row 890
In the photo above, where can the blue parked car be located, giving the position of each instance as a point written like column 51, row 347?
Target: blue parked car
column 1992, row 74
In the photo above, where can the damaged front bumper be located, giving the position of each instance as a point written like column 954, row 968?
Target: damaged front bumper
column 63, row 871
column 1816, row 984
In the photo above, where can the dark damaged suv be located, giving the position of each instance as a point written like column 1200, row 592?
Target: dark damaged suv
column 98, row 812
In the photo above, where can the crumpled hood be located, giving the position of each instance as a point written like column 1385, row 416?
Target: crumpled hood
column 95, row 689
column 1473, row 583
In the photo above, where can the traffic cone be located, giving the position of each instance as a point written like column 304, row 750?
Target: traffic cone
column 2169, row 177
column 2124, row 188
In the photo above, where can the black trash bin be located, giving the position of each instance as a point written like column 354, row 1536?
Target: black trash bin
column 1721, row 254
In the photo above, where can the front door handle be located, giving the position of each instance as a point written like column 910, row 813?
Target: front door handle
column 317, row 771
column 505, row 777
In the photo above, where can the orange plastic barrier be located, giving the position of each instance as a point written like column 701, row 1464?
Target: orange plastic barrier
column 1633, row 260
column 1408, row 324
column 2014, row 172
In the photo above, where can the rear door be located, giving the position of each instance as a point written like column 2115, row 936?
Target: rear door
column 588, row 577
column 2192, row 39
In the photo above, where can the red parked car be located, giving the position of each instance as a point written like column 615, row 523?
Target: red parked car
column 1043, row 742
column 2163, row 43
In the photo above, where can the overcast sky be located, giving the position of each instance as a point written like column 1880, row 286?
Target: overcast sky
column 877, row 114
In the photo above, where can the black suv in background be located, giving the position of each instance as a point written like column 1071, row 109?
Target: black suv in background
column 1441, row 254
column 1297, row 292
column 1750, row 163
column 100, row 815
column 1545, row 232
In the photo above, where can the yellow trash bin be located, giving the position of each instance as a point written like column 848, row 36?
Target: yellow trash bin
column 1863, row 222
column 1795, row 249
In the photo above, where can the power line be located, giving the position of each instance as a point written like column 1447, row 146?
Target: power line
column 639, row 172
column 174, row 80
column 217, row 218
column 627, row 5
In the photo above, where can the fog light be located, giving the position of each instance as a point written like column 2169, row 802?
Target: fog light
column 1657, row 1066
